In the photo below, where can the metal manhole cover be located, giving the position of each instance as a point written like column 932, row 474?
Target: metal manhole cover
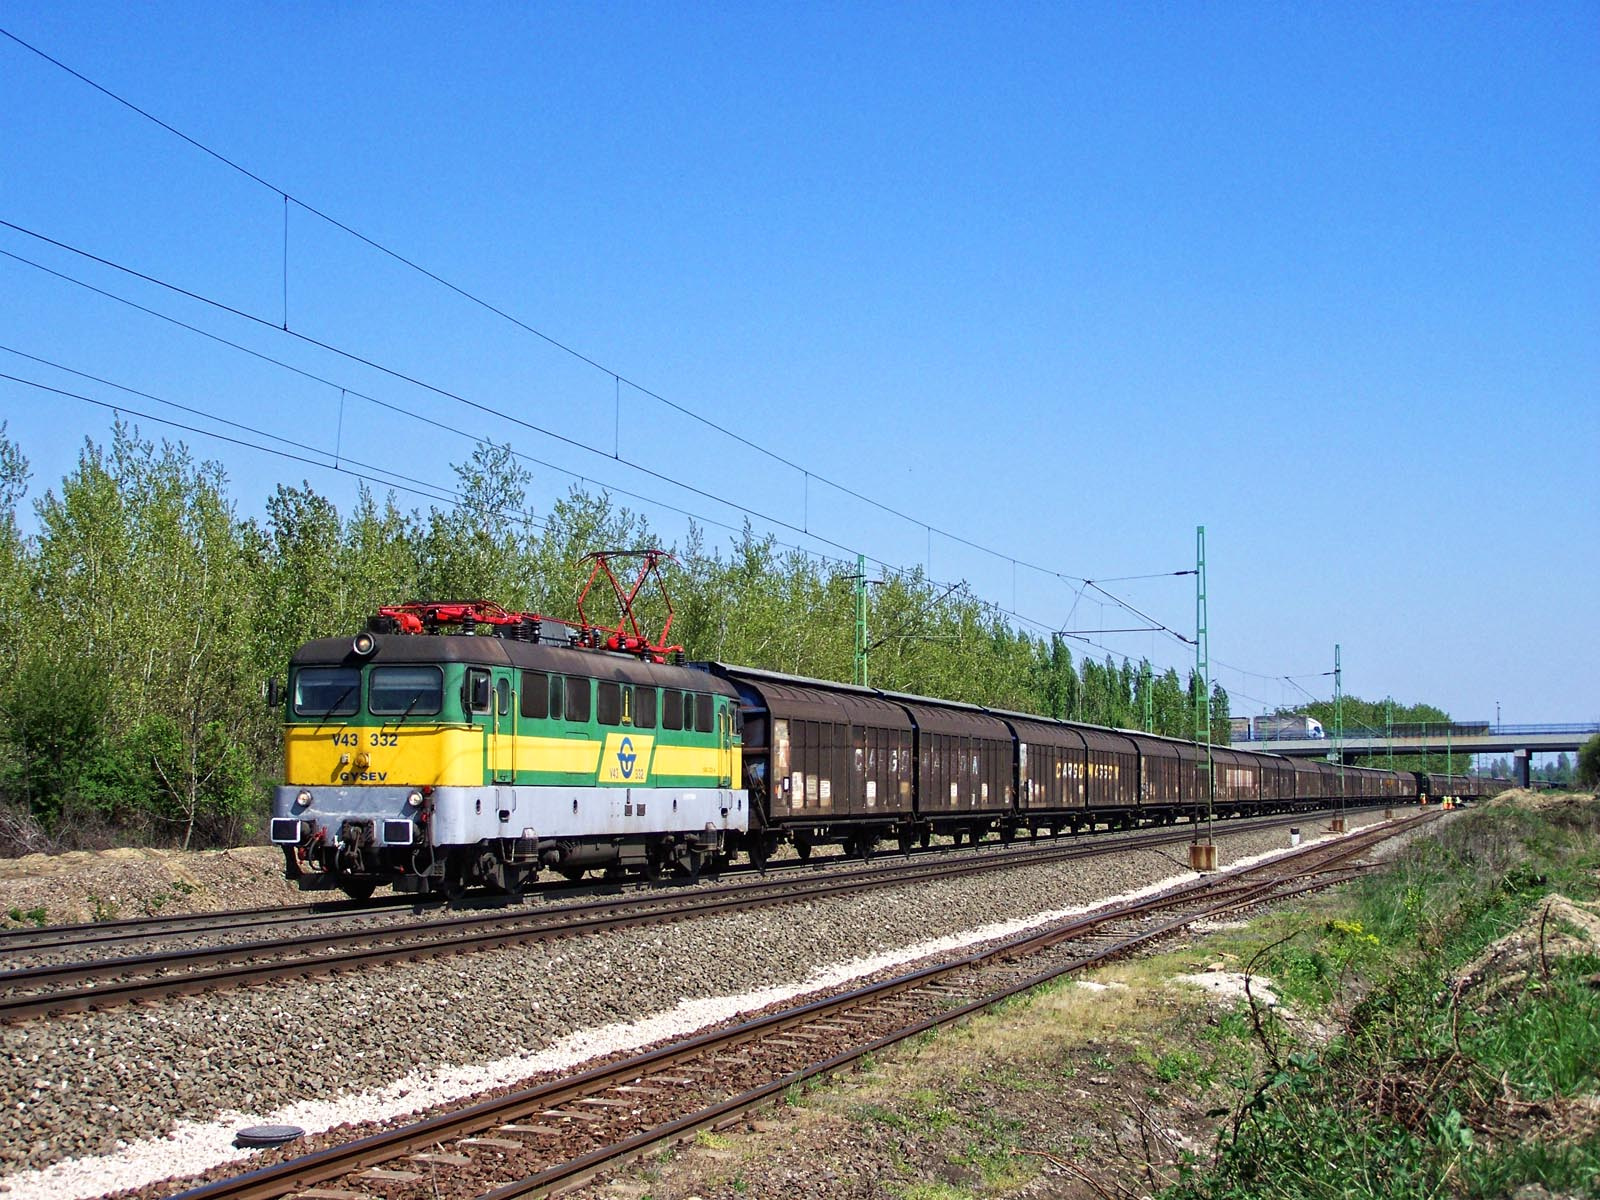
column 267, row 1135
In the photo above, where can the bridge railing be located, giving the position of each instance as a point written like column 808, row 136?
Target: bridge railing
column 1429, row 731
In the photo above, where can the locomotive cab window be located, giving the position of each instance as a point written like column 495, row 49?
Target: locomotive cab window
column 405, row 691
column 327, row 691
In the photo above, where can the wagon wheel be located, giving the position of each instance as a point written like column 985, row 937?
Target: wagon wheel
column 757, row 850
column 358, row 889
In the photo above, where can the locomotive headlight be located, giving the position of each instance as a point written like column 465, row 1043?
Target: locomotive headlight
column 413, row 799
column 363, row 644
column 304, row 798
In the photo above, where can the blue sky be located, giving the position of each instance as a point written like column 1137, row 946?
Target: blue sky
column 1062, row 280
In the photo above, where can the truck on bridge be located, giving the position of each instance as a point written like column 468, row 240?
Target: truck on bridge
column 1285, row 726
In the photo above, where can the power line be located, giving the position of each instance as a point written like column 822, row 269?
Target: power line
column 393, row 373
column 288, row 198
column 317, row 457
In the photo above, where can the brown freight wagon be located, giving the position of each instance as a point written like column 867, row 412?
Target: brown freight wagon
column 824, row 763
column 1111, row 777
column 1051, row 774
column 965, row 771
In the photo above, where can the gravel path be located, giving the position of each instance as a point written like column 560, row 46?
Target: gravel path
column 90, row 1084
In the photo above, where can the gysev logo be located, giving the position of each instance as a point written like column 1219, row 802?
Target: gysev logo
column 626, row 758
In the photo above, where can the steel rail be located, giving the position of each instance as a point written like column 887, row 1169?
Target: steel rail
column 240, row 965
column 1210, row 896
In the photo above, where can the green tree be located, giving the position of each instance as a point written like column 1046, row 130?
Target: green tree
column 151, row 581
column 1588, row 771
column 481, row 547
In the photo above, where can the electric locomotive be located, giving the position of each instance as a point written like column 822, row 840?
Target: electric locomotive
column 452, row 745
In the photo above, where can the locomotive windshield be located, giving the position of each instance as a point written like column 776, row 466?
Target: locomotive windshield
column 327, row 691
column 395, row 691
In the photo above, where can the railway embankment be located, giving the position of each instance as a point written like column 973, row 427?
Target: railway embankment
column 1431, row 1030
column 136, row 1094
column 1108, row 1088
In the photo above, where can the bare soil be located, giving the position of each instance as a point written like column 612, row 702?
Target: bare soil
column 106, row 885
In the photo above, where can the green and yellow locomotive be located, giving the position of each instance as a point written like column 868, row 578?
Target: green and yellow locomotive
column 453, row 745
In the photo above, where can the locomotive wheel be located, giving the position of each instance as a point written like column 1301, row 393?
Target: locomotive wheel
column 571, row 874
column 358, row 889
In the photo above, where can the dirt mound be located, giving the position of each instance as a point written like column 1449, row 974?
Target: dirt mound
column 1539, row 800
column 59, row 889
column 1558, row 928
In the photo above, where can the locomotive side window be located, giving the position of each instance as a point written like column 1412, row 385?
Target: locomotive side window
column 688, row 710
column 671, row 709
column 535, row 695
column 555, row 697
column 327, row 691
column 702, row 714
column 608, row 704
column 502, row 693
column 477, row 690
column 577, row 698
column 644, row 707
column 404, row 691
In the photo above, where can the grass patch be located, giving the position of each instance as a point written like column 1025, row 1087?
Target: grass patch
column 1467, row 1051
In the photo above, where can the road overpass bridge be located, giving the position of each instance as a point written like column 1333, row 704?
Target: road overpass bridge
column 1520, row 742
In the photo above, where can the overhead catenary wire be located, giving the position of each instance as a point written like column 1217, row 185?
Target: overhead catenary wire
column 446, row 393
column 372, row 473
column 289, row 199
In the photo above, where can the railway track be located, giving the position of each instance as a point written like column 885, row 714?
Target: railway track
column 60, row 987
column 563, row 1131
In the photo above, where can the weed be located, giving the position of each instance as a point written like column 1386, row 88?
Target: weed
column 1176, row 1064
column 29, row 916
column 937, row 1190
